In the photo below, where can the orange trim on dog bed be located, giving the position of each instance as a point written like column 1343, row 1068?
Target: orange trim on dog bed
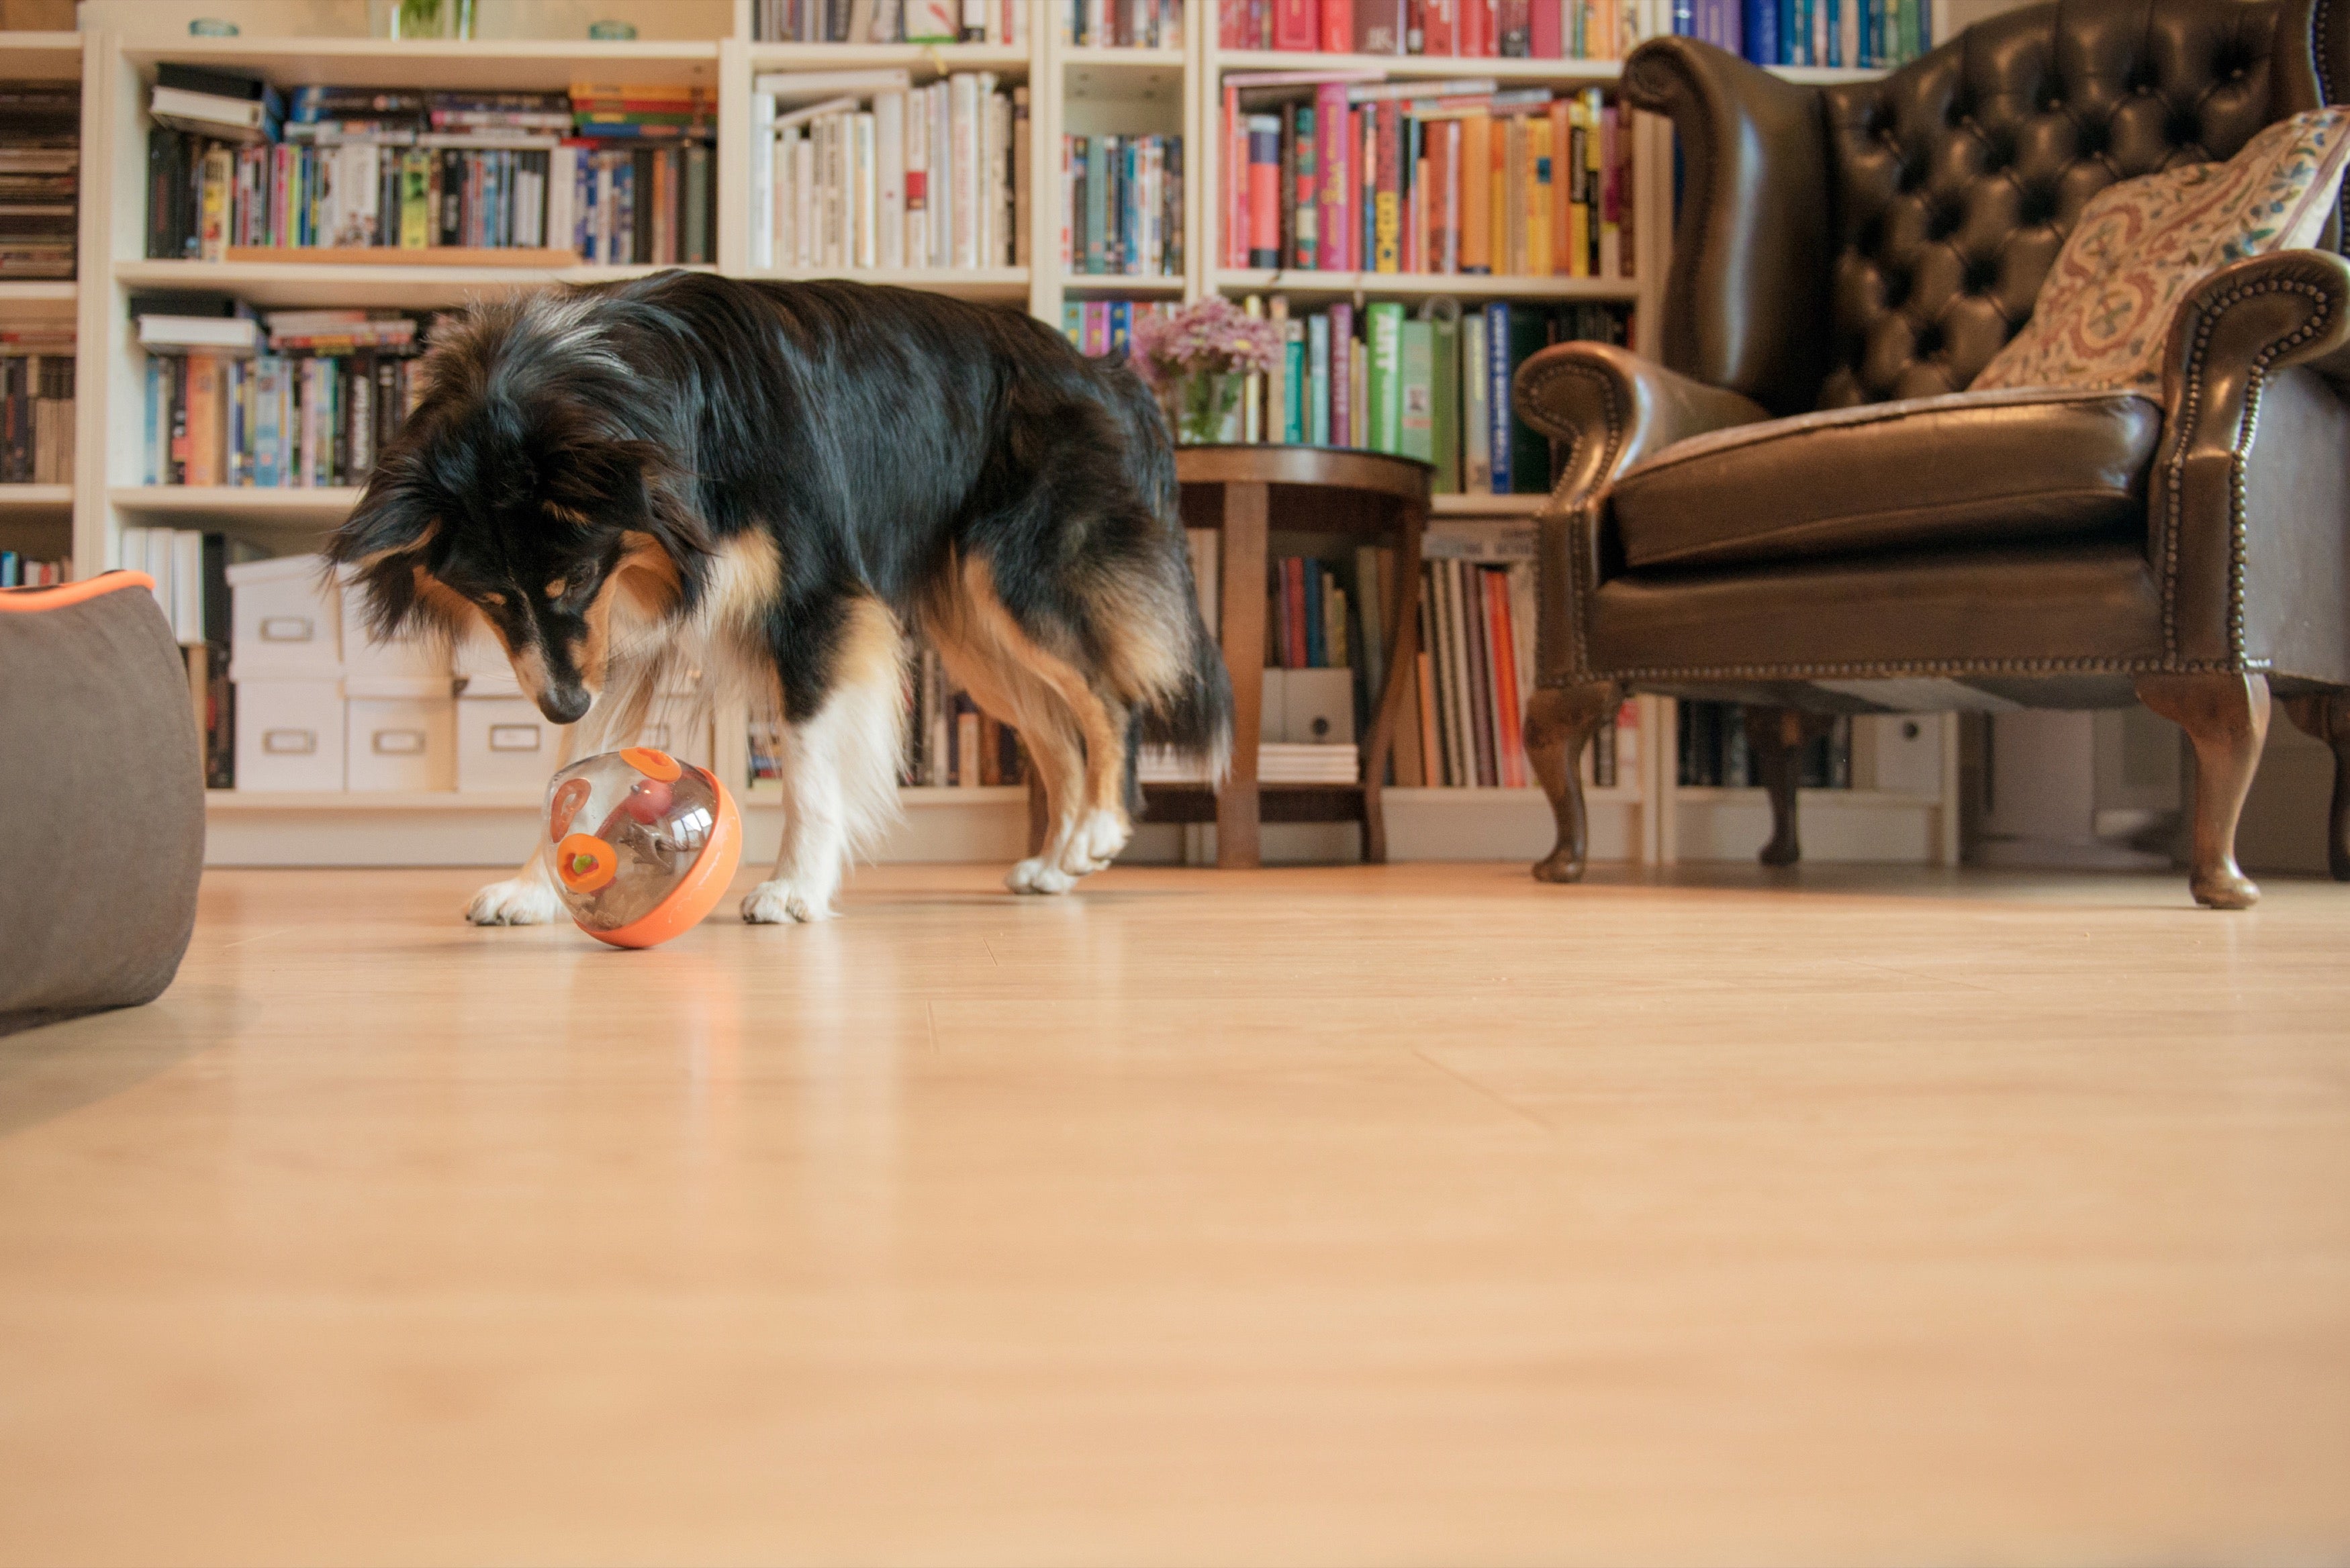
column 63, row 595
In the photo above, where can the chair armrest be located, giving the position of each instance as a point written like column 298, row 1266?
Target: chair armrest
column 1610, row 408
column 1748, row 293
column 2234, row 333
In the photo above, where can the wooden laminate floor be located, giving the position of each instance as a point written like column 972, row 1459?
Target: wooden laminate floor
column 1419, row 1215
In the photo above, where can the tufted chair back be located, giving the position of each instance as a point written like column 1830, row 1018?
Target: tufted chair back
column 1948, row 187
column 1955, row 180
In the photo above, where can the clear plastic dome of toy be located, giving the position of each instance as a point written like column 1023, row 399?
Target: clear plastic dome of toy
column 637, row 839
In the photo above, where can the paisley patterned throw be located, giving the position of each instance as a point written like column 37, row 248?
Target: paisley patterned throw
column 2104, row 311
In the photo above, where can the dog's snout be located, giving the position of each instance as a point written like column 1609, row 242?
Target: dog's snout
column 566, row 705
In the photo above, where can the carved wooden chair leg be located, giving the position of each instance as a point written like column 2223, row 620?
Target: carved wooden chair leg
column 1776, row 736
column 1560, row 721
column 2327, row 716
column 2226, row 717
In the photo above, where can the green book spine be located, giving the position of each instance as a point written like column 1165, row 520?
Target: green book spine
column 1385, row 322
column 1444, row 334
column 1292, row 383
column 1419, row 391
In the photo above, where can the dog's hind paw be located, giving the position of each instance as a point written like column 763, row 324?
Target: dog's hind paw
column 516, row 902
column 1037, row 876
column 1095, row 843
column 781, row 903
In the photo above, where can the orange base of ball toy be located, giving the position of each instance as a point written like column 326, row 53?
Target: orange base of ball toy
column 703, row 886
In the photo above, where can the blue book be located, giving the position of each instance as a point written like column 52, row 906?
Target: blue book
column 1497, row 392
column 1293, row 385
column 155, row 466
column 1121, row 324
column 1836, row 32
column 268, row 437
column 1761, row 29
column 1685, row 18
column 1097, row 204
column 12, row 571
column 1073, row 323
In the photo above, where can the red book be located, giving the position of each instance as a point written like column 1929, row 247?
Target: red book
column 1387, row 208
column 1265, row 190
column 1442, row 27
column 1475, row 24
column 1235, row 182
column 1232, row 17
column 1508, row 740
column 1378, row 26
column 1415, row 27
column 1297, row 24
column 1337, row 27
column 1546, row 32
column 1334, row 234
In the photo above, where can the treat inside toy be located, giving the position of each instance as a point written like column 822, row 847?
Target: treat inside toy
column 641, row 845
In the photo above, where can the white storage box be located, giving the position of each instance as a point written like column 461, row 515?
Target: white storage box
column 289, row 735
column 367, row 660
column 282, row 624
column 402, row 733
column 504, row 742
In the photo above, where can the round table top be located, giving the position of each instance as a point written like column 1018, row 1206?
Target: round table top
column 1333, row 467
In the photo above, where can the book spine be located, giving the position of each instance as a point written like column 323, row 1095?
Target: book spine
column 1387, row 254
column 1385, row 323
column 1342, row 402
column 1264, row 190
column 1331, row 160
column 1497, row 394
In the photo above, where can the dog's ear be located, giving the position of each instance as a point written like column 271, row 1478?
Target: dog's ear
column 633, row 486
column 382, row 544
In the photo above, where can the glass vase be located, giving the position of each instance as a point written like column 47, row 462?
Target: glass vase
column 1206, row 403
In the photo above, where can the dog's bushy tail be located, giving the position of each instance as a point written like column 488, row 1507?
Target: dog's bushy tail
column 1188, row 709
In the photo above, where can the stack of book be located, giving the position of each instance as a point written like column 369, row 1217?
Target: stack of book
column 1869, row 34
column 616, row 173
column 1476, row 664
column 1434, row 385
column 296, row 399
column 950, row 743
column 1122, row 205
column 20, row 571
column 1122, row 24
column 894, row 21
column 1714, row 751
column 1513, row 30
column 1325, row 174
column 861, row 170
column 1098, row 326
column 36, row 402
column 41, row 170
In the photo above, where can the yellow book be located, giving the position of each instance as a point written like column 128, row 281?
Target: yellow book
column 1516, row 177
column 1540, row 190
column 1497, row 197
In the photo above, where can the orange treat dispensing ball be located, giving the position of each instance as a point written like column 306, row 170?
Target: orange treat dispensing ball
column 643, row 845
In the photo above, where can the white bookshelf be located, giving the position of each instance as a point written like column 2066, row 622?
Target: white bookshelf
column 37, row 519
column 542, row 45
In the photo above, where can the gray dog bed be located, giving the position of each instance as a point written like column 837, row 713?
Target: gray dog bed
column 98, row 762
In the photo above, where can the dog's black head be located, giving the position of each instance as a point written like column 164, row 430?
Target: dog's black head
column 522, row 490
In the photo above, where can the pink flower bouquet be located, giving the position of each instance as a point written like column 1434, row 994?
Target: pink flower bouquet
column 1195, row 360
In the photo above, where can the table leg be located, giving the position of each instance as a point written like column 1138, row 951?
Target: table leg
column 1403, row 620
column 1243, row 542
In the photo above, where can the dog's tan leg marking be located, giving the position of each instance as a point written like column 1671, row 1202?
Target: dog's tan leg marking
column 1078, row 735
column 840, row 772
column 1014, row 694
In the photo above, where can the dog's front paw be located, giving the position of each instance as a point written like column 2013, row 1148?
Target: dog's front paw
column 516, row 902
column 1038, row 876
column 1095, row 843
column 781, row 903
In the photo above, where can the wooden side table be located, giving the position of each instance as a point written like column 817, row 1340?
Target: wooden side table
column 1244, row 492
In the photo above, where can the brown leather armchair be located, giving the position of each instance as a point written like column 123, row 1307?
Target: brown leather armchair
column 1792, row 513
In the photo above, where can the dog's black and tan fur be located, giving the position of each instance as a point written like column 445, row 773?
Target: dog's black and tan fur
column 769, row 481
